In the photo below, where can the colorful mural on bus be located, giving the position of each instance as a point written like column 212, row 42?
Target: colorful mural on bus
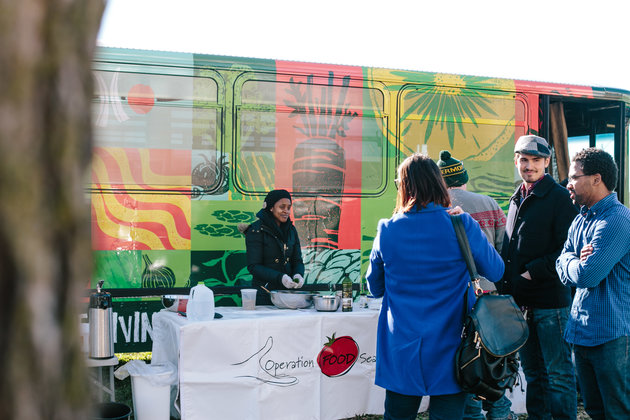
column 186, row 147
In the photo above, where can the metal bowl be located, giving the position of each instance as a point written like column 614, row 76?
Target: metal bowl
column 175, row 303
column 291, row 299
column 327, row 303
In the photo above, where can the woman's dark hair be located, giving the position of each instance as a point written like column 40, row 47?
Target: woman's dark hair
column 420, row 183
column 596, row 161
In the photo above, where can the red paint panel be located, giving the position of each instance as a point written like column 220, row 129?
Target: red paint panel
column 553, row 89
column 320, row 125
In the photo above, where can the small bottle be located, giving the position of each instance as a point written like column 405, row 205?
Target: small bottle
column 346, row 296
column 363, row 295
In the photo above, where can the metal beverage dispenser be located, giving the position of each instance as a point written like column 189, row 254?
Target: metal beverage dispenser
column 100, row 317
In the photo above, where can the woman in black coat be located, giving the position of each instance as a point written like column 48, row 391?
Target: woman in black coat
column 274, row 256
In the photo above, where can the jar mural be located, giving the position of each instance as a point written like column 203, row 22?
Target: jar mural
column 321, row 117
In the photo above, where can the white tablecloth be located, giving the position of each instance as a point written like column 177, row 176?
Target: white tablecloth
column 272, row 363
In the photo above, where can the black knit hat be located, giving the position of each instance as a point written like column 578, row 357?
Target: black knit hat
column 273, row 197
column 453, row 170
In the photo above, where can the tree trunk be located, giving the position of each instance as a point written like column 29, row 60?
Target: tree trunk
column 46, row 49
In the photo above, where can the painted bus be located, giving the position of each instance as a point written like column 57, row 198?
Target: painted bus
column 187, row 145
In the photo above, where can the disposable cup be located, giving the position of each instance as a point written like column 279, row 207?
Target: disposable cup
column 249, row 299
column 374, row 303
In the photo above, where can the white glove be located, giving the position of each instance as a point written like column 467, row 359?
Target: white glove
column 298, row 280
column 288, row 282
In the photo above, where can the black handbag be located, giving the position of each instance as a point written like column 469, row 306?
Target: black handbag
column 486, row 361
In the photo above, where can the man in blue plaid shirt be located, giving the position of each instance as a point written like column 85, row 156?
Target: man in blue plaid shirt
column 596, row 261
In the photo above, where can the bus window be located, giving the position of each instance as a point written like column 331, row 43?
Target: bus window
column 309, row 137
column 155, row 111
column 602, row 141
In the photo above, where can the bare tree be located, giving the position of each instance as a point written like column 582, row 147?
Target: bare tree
column 46, row 49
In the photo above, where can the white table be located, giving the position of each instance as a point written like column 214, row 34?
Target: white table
column 263, row 364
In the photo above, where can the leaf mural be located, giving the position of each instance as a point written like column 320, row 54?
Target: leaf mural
column 218, row 230
column 219, row 268
column 330, row 266
column 234, row 217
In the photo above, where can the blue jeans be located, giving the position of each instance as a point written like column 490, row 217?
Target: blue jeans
column 549, row 371
column 604, row 376
column 498, row 410
column 441, row 407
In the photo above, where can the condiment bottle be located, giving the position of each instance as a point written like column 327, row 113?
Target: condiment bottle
column 363, row 295
column 346, row 296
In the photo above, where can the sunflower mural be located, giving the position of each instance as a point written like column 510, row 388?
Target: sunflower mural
column 477, row 119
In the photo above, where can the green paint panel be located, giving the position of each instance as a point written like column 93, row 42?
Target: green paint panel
column 220, row 268
column 126, row 269
column 215, row 223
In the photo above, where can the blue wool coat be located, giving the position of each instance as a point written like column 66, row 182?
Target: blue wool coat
column 417, row 267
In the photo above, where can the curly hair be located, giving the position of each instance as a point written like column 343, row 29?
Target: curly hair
column 595, row 161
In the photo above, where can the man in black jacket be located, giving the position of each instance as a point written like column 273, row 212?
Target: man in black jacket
column 539, row 217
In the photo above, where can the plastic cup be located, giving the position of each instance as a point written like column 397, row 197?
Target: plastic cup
column 249, row 299
column 374, row 303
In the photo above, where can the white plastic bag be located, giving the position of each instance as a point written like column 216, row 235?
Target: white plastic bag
column 158, row 374
column 200, row 304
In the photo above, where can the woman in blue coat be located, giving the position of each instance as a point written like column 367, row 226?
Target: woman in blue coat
column 417, row 267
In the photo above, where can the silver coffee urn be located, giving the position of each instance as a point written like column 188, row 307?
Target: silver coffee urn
column 100, row 317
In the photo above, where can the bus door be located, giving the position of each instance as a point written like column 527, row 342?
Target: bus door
column 573, row 124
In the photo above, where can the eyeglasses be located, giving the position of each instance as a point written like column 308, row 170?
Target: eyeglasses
column 574, row 178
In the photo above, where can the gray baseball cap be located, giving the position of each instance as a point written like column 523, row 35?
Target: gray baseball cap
column 532, row 145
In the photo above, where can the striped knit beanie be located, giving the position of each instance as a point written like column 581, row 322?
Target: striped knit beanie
column 453, row 170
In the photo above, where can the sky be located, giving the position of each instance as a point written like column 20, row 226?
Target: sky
column 571, row 42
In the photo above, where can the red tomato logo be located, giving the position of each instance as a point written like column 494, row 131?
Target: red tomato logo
column 338, row 355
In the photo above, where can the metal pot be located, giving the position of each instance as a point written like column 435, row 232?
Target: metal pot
column 327, row 303
column 291, row 299
column 175, row 303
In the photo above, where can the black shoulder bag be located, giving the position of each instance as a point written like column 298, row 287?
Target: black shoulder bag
column 486, row 362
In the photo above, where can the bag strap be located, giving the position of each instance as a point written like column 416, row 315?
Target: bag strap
column 464, row 246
